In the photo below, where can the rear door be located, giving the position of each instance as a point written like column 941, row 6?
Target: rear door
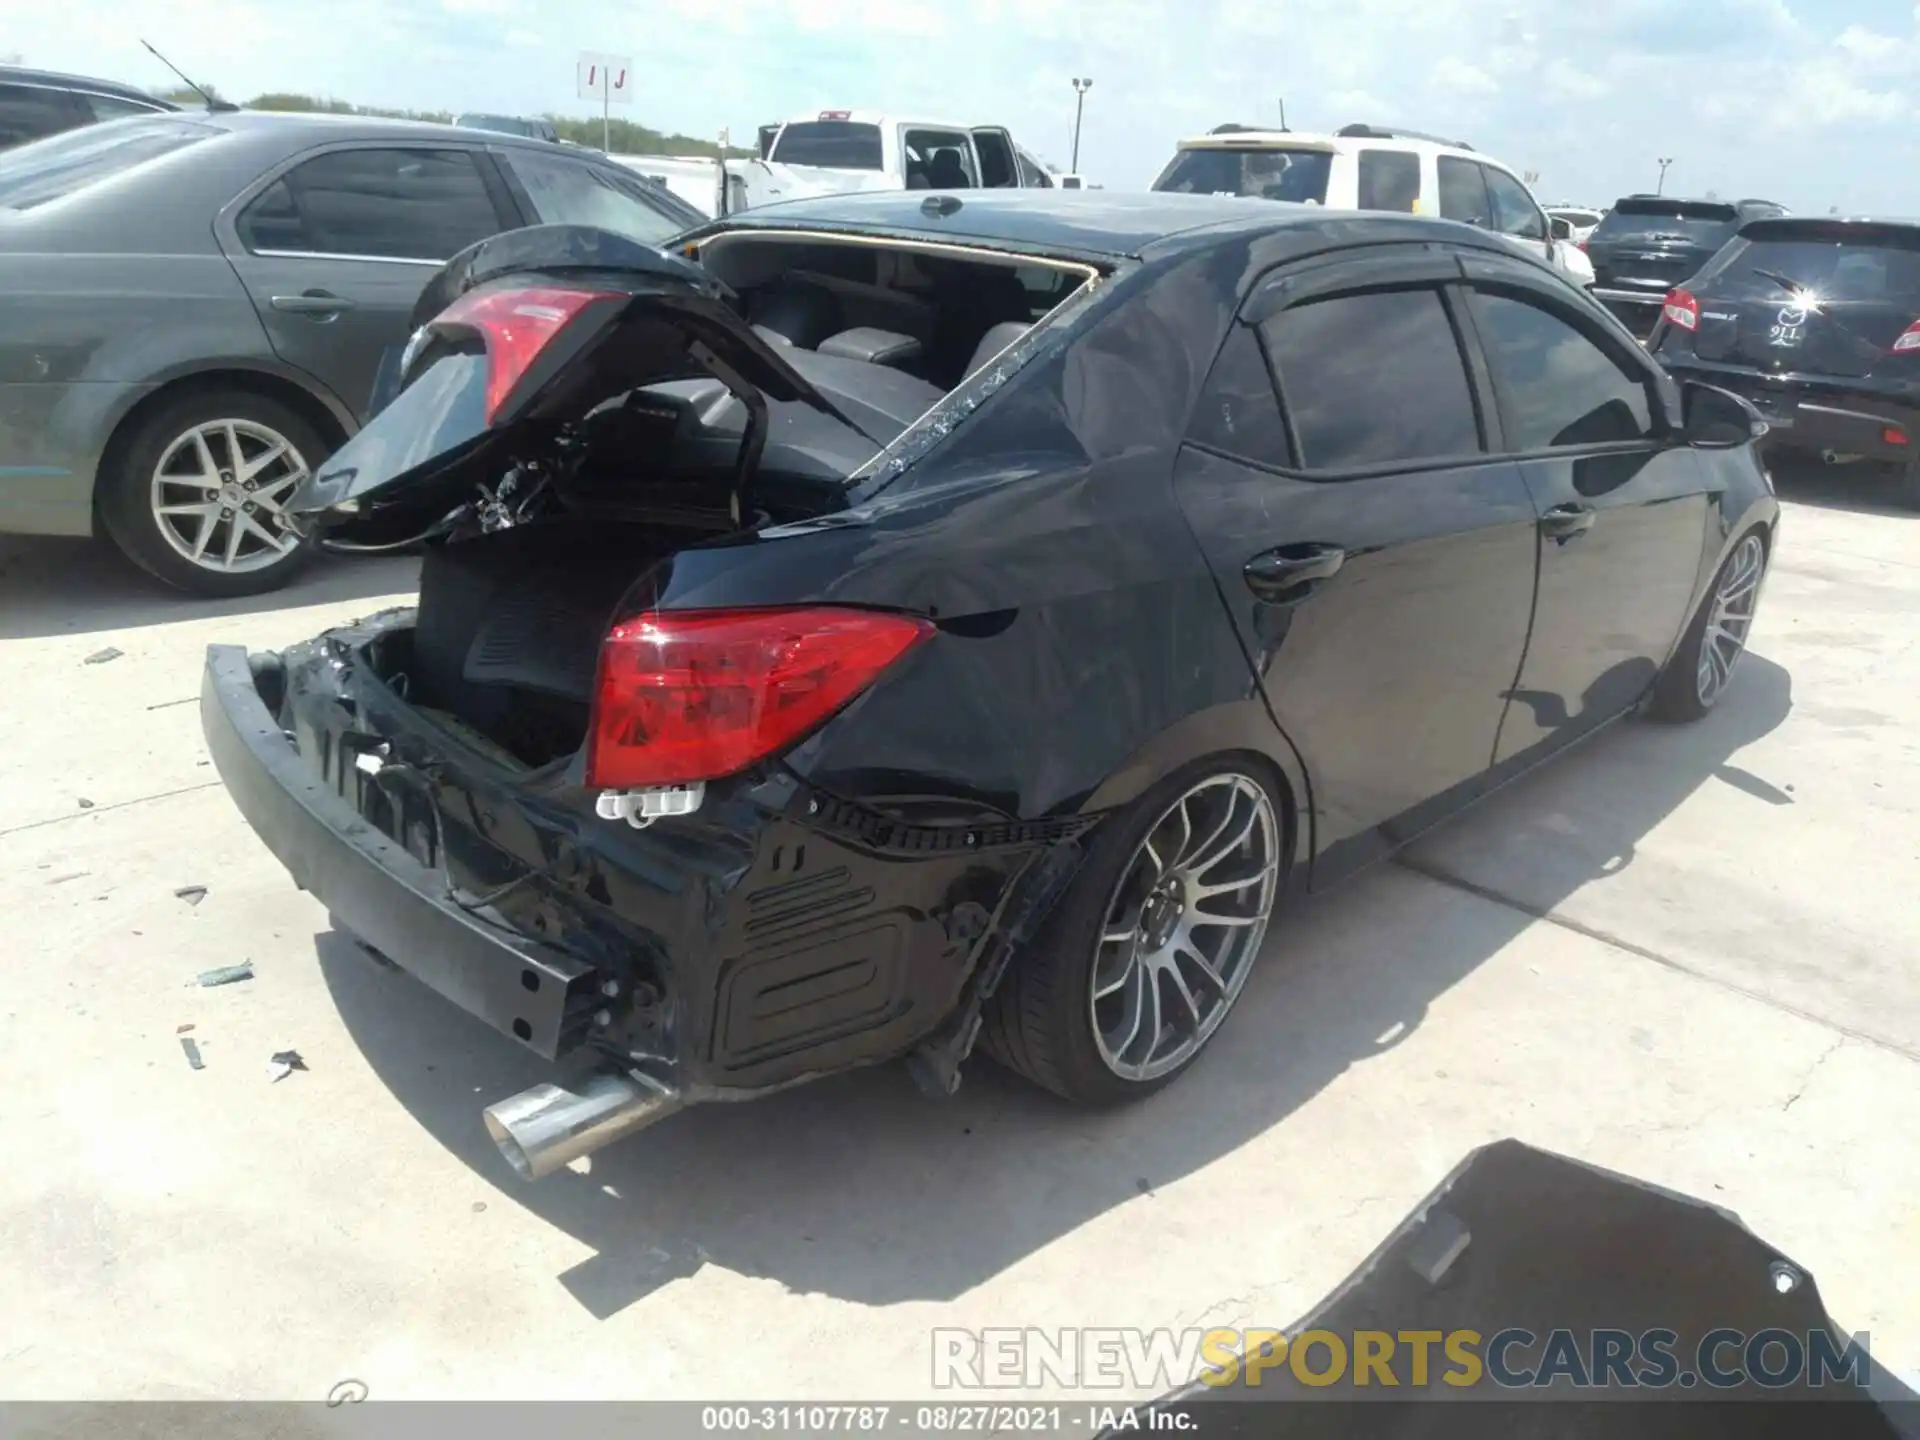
column 1463, row 192
column 335, row 248
column 999, row 169
column 1623, row 504
column 1378, row 562
column 1816, row 297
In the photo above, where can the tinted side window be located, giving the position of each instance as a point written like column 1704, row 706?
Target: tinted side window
column 392, row 204
column 939, row 160
column 29, row 111
column 1514, row 212
column 1558, row 387
column 1463, row 192
column 566, row 192
column 1389, row 180
column 112, row 107
column 1238, row 412
column 1373, row 378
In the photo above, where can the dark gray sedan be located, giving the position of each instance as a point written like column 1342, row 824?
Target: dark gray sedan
column 193, row 308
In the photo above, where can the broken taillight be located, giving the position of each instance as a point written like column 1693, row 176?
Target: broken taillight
column 1682, row 309
column 698, row 694
column 515, row 326
column 1909, row 340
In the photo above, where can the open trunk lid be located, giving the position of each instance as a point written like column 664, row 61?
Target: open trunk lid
column 509, row 334
column 1813, row 297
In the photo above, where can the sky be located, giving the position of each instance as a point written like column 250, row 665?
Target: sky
column 1811, row 103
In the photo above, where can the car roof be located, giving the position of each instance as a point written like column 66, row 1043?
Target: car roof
column 1096, row 223
column 320, row 126
column 56, row 80
column 1863, row 223
column 874, row 117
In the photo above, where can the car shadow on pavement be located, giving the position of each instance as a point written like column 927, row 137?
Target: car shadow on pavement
column 72, row 587
column 858, row 1188
column 1862, row 487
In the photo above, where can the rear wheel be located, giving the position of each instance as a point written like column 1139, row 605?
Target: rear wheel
column 1700, row 670
column 196, row 495
column 1141, row 960
column 1908, row 492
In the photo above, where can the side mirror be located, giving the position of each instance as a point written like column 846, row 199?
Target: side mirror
column 1558, row 228
column 1718, row 419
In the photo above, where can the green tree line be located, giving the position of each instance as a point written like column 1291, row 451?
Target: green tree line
column 624, row 137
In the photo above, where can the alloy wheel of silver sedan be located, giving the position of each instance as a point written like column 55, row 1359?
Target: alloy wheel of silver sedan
column 1729, row 619
column 1184, row 925
column 219, row 494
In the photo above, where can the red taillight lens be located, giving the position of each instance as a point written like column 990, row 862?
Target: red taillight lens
column 1682, row 309
column 698, row 694
column 1892, row 435
column 1580, row 245
column 1909, row 339
column 515, row 326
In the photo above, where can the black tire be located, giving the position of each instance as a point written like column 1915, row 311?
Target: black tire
column 1907, row 485
column 127, row 508
column 1677, row 697
column 1039, row 1023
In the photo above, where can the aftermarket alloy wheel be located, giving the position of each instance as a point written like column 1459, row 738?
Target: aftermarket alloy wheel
column 1144, row 957
column 1701, row 669
column 199, row 494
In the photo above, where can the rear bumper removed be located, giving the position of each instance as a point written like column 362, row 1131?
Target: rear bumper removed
column 777, row 936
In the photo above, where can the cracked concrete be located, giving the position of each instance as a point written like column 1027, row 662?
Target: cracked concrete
column 180, row 1233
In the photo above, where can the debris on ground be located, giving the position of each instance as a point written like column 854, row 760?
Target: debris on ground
column 225, row 975
column 63, row 879
column 182, row 1029
column 101, row 657
column 85, row 804
column 193, row 1053
column 192, row 894
column 284, row 1063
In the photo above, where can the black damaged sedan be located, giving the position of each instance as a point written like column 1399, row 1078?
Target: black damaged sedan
column 890, row 622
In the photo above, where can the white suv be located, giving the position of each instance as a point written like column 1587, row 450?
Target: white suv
column 1365, row 167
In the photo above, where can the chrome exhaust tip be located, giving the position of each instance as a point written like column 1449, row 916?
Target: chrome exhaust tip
column 548, row 1127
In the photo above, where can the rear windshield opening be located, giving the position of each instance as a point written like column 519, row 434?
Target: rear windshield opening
column 836, row 144
column 1265, row 174
column 63, row 165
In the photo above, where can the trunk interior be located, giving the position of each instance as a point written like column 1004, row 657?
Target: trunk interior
column 507, row 636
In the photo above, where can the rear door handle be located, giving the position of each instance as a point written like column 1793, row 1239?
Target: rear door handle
column 1291, row 572
column 323, row 304
column 1563, row 522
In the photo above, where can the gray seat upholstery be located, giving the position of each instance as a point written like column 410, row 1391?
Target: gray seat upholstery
column 994, row 341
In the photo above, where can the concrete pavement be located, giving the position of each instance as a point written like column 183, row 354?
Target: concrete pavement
column 1690, row 954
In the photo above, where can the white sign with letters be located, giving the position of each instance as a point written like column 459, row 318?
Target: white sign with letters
column 606, row 78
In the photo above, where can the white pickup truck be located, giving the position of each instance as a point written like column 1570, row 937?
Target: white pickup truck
column 838, row 151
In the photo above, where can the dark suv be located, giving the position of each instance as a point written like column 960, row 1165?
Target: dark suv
column 1647, row 244
column 35, row 103
column 1817, row 322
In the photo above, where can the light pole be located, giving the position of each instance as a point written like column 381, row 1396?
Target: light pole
column 1080, row 88
column 1661, row 188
